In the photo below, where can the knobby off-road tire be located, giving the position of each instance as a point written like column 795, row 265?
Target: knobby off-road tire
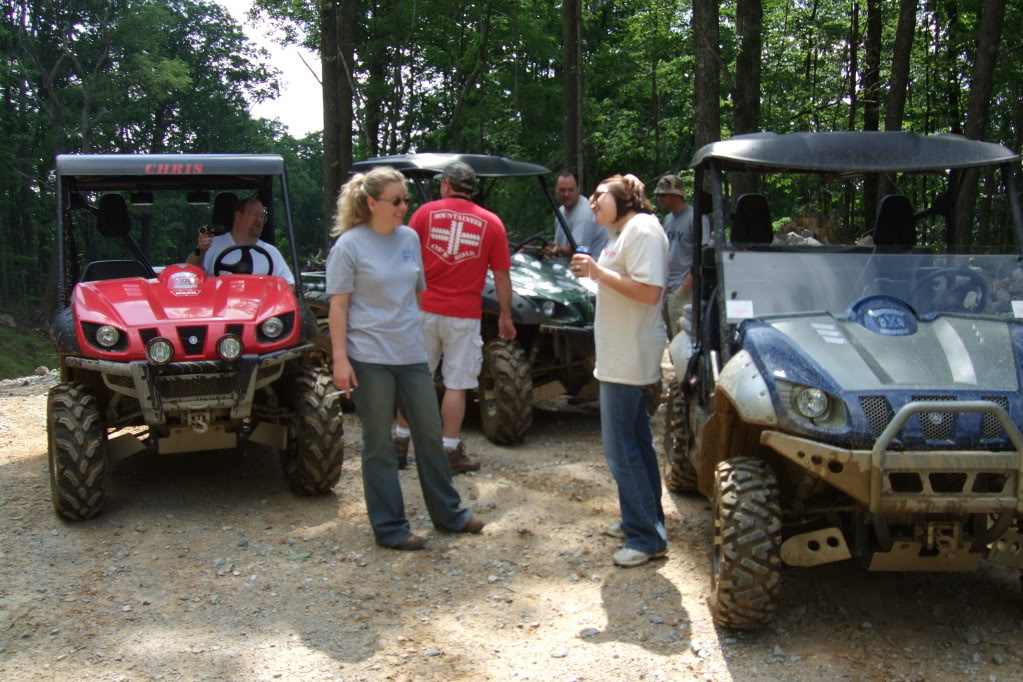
column 505, row 393
column 746, row 568
column 679, row 473
column 76, row 440
column 312, row 460
column 653, row 397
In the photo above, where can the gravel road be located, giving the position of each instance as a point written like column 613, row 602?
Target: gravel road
column 205, row 567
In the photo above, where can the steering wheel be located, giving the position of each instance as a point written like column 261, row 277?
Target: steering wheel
column 244, row 264
column 539, row 236
column 953, row 296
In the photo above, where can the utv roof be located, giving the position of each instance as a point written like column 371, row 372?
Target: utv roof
column 429, row 164
column 168, row 171
column 852, row 152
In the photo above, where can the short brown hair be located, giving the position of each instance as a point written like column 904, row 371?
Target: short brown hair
column 629, row 194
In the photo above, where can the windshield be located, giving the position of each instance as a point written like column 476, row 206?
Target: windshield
column 763, row 283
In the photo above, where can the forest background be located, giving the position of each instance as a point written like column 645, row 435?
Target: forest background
column 604, row 86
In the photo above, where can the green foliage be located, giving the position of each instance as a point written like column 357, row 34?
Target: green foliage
column 23, row 351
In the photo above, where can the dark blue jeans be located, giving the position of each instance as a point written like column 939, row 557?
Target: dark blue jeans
column 630, row 453
column 409, row 387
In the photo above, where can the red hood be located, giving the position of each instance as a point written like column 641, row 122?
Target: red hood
column 183, row 295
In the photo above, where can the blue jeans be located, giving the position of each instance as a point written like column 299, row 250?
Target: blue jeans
column 632, row 459
column 409, row 387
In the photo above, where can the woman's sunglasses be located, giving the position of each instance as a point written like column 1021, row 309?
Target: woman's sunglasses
column 396, row 202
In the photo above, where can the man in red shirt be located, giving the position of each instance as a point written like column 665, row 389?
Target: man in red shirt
column 460, row 240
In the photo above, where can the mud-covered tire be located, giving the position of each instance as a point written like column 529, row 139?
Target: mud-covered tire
column 76, row 445
column 653, row 397
column 679, row 473
column 505, row 393
column 746, row 557
column 315, row 453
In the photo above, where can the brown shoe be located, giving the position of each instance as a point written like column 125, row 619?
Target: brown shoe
column 409, row 543
column 459, row 462
column 401, row 445
column 475, row 526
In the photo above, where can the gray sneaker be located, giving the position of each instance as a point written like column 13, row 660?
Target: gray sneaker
column 613, row 530
column 401, row 445
column 629, row 557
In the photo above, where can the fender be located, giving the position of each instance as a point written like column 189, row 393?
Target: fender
column 741, row 382
column 62, row 333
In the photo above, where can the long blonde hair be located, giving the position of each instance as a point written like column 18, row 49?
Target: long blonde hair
column 352, row 207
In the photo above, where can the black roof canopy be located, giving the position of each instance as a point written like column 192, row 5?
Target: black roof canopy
column 429, row 164
column 852, row 152
column 168, row 171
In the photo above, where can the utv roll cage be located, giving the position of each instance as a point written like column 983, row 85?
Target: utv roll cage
column 77, row 174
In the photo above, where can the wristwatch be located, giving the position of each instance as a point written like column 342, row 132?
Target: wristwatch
column 197, row 251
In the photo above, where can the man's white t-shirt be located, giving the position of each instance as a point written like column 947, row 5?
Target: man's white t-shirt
column 222, row 242
column 630, row 335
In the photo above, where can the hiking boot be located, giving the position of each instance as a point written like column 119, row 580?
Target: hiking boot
column 401, row 445
column 459, row 462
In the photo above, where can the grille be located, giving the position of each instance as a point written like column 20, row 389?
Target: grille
column 936, row 425
column 118, row 380
column 172, row 389
column 879, row 412
column 148, row 335
column 186, row 334
column 991, row 428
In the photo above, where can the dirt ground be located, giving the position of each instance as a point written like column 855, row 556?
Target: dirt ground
column 205, row 567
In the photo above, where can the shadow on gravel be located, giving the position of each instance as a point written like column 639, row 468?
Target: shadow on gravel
column 643, row 608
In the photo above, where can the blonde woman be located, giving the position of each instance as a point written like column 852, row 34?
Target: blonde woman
column 629, row 336
column 375, row 277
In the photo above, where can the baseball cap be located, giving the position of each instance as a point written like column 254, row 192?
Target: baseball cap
column 460, row 175
column 669, row 184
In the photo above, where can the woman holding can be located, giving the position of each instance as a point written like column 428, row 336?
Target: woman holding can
column 629, row 336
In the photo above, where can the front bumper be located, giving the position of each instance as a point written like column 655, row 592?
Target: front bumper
column 926, row 482
column 183, row 387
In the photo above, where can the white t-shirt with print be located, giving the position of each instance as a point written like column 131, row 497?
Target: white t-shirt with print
column 629, row 335
column 222, row 242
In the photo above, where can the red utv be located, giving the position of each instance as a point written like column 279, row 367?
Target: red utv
column 171, row 359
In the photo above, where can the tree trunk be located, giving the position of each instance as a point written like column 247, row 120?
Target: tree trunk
column 749, row 25
column 854, row 42
column 895, row 111
column 988, row 42
column 346, row 86
column 871, row 103
column 708, row 74
column 573, row 101
column 330, row 80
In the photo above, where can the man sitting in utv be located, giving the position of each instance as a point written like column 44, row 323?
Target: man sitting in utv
column 249, row 215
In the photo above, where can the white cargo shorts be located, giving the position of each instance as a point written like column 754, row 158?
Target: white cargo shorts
column 457, row 340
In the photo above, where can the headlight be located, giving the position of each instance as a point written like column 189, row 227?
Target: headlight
column 812, row 403
column 548, row 308
column 107, row 336
column 229, row 347
column 159, row 351
column 272, row 327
